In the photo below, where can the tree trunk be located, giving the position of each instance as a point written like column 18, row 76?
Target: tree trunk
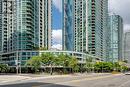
column 51, row 70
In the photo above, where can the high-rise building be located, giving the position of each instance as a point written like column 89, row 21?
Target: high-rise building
column 85, row 26
column 97, row 27
column 74, row 25
column 127, row 46
column 24, row 25
column 115, row 38
column 8, row 25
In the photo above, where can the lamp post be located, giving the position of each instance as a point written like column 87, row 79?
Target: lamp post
column 20, row 63
column 16, row 63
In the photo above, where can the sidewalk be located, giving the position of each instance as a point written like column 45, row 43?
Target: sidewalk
column 12, row 78
column 25, row 77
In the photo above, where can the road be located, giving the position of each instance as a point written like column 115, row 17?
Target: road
column 106, row 80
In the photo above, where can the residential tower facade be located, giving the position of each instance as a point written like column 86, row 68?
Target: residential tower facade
column 85, row 26
column 127, row 46
column 24, row 25
column 74, row 25
column 116, row 38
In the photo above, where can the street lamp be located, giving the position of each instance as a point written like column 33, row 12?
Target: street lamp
column 18, row 64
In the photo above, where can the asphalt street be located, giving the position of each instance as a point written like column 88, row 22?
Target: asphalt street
column 107, row 80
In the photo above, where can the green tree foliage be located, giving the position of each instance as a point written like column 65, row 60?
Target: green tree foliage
column 124, row 68
column 70, row 62
column 103, row 67
column 73, row 63
column 107, row 66
column 64, row 60
column 89, row 65
column 35, row 63
column 51, row 60
column 126, row 61
column 116, row 66
column 3, row 68
column 48, row 59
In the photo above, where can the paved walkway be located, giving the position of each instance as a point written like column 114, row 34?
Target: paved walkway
column 21, row 77
column 12, row 78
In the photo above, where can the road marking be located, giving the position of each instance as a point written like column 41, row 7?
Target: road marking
column 123, row 85
column 88, row 79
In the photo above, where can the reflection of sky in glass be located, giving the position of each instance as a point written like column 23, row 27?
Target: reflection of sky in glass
column 57, row 18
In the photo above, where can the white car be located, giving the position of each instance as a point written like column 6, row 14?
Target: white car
column 127, row 73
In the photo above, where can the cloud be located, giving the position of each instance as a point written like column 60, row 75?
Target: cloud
column 57, row 46
column 58, row 4
column 57, row 39
column 57, row 36
column 121, row 7
column 126, row 27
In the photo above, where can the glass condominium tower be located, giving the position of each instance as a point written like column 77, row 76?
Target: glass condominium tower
column 25, row 24
column 97, row 27
column 127, row 46
column 115, row 38
column 74, row 25
column 85, row 26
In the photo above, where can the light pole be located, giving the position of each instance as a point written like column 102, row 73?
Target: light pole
column 16, row 63
column 20, row 63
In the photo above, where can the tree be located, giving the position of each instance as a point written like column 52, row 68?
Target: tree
column 48, row 59
column 35, row 63
column 107, row 66
column 73, row 63
column 103, row 66
column 68, row 61
column 4, row 68
column 89, row 64
column 126, row 61
column 51, row 60
column 123, row 66
column 63, row 59
column 116, row 66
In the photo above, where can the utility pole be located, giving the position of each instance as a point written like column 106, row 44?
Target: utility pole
column 20, row 63
column 16, row 62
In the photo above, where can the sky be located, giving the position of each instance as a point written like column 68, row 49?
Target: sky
column 119, row 7
column 57, row 24
column 122, row 8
